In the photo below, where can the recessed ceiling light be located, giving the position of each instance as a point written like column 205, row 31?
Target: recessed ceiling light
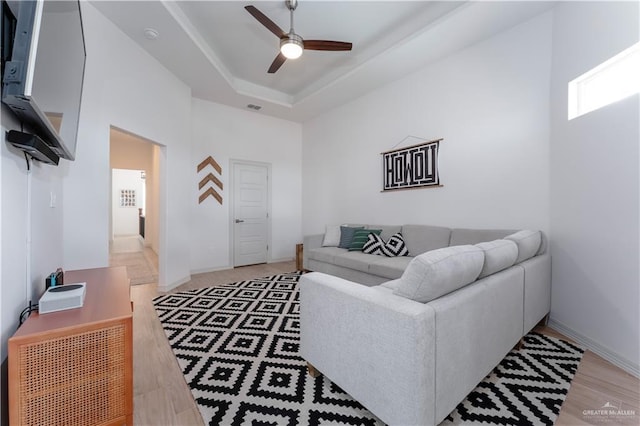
column 151, row 33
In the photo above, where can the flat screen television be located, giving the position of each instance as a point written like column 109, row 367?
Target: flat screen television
column 42, row 81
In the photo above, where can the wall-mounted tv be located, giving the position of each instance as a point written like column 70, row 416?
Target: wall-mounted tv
column 42, row 81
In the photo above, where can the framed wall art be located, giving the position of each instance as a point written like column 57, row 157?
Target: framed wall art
column 415, row 166
column 128, row 198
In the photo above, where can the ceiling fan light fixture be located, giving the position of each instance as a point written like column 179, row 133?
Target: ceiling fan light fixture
column 292, row 46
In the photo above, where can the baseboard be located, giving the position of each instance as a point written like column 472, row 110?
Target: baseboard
column 597, row 348
column 4, row 394
column 205, row 270
column 171, row 286
column 227, row 267
column 284, row 259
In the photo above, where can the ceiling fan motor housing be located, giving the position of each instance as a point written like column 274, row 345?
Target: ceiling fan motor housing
column 292, row 4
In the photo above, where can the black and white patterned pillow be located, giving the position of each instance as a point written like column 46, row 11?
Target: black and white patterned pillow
column 373, row 245
column 392, row 248
column 396, row 246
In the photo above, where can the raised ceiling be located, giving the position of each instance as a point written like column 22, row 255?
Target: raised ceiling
column 219, row 50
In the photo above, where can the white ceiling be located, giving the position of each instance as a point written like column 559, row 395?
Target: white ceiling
column 223, row 53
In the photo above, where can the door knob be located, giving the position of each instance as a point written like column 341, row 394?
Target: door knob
column 239, row 220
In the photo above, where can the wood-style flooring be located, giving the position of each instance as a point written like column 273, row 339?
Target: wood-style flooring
column 161, row 396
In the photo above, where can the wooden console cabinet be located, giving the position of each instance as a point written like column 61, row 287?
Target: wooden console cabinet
column 75, row 367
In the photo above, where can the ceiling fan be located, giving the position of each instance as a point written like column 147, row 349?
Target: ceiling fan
column 291, row 44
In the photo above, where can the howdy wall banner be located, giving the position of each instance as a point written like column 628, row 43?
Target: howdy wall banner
column 411, row 167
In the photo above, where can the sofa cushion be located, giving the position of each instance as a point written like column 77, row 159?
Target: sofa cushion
column 462, row 236
column 360, row 238
column 346, row 235
column 498, row 255
column 387, row 230
column 528, row 243
column 389, row 267
column 423, row 238
column 331, row 236
column 325, row 254
column 354, row 260
column 438, row 272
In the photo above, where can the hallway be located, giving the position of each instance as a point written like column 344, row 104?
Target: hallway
column 141, row 262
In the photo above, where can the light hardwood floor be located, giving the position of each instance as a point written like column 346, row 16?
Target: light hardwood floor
column 161, row 396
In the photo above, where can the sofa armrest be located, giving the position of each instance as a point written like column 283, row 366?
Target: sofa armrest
column 378, row 347
column 537, row 289
column 477, row 326
column 310, row 242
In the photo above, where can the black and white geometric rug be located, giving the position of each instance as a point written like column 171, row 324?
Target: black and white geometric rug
column 237, row 345
column 528, row 387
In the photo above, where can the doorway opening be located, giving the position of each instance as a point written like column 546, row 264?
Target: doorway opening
column 134, row 209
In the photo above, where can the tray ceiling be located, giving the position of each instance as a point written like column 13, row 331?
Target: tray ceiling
column 223, row 53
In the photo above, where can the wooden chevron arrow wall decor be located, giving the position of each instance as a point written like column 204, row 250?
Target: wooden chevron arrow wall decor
column 210, row 161
column 210, row 192
column 210, row 177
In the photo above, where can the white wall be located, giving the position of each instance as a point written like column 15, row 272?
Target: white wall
column 146, row 99
column 595, row 186
column 125, row 87
column 25, row 264
column 130, row 152
column 490, row 104
column 228, row 133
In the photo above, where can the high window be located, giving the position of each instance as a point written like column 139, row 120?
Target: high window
column 611, row 81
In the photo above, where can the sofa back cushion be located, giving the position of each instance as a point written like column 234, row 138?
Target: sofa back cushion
column 498, row 255
column 387, row 230
column 423, row 238
column 461, row 236
column 528, row 243
column 438, row 272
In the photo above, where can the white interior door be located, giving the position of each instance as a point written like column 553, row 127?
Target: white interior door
column 251, row 213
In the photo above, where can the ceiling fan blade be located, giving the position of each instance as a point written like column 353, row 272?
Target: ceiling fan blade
column 262, row 18
column 277, row 63
column 326, row 45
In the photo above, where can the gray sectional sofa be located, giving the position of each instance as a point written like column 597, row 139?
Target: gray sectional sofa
column 412, row 348
column 373, row 269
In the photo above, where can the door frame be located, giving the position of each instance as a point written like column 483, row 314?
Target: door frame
column 160, row 172
column 232, row 238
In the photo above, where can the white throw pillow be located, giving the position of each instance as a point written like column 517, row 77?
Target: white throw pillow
column 438, row 272
column 528, row 243
column 331, row 236
column 498, row 255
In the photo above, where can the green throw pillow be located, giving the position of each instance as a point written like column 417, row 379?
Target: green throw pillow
column 360, row 237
